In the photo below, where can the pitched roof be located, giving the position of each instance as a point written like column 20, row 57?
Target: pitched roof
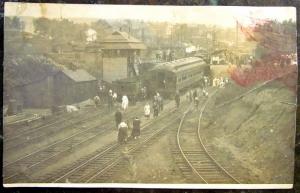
column 180, row 64
column 79, row 75
column 121, row 40
column 119, row 36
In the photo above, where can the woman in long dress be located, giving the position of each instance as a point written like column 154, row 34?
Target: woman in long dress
column 147, row 110
column 124, row 102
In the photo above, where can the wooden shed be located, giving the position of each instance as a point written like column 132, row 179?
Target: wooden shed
column 73, row 86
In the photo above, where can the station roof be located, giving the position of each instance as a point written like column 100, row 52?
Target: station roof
column 121, row 40
column 79, row 75
column 180, row 64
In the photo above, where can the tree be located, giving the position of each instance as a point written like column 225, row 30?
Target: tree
column 273, row 38
column 42, row 26
column 14, row 23
column 275, row 50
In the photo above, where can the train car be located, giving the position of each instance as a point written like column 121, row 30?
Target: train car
column 178, row 75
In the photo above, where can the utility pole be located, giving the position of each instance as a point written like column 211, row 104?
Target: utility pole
column 236, row 34
column 143, row 33
column 237, row 43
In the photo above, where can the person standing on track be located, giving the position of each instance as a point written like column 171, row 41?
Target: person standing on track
column 122, row 134
column 118, row 117
column 205, row 93
column 206, row 81
column 110, row 100
column 136, row 128
column 124, row 102
column 142, row 97
column 177, row 99
column 197, row 102
column 115, row 97
column 155, row 108
column 195, row 94
column 160, row 102
column 147, row 110
column 97, row 101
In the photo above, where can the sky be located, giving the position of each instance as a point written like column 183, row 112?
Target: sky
column 208, row 15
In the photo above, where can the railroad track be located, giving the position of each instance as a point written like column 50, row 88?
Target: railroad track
column 102, row 165
column 51, row 153
column 12, row 132
column 196, row 159
column 48, row 130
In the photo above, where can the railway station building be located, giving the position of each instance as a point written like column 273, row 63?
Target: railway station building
column 120, row 56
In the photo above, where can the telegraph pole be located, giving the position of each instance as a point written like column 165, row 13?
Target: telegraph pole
column 236, row 43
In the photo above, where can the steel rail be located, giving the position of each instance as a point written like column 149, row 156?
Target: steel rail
column 180, row 148
column 55, row 143
column 107, row 150
column 44, row 134
column 37, row 128
column 131, row 150
column 201, row 141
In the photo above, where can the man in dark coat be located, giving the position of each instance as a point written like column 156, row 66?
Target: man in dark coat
column 195, row 94
column 160, row 102
column 118, row 117
column 110, row 100
column 136, row 128
column 155, row 109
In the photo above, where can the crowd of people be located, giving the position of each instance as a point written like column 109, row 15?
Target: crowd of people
column 220, row 82
column 132, row 129
column 110, row 98
column 193, row 96
column 124, row 127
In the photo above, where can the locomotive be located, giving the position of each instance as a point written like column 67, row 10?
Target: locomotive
column 130, row 86
column 179, row 75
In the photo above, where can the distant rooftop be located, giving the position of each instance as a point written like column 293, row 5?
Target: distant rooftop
column 121, row 40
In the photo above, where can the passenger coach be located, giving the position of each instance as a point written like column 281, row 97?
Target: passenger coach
column 178, row 75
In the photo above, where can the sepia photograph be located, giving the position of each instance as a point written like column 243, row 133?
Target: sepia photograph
column 149, row 96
